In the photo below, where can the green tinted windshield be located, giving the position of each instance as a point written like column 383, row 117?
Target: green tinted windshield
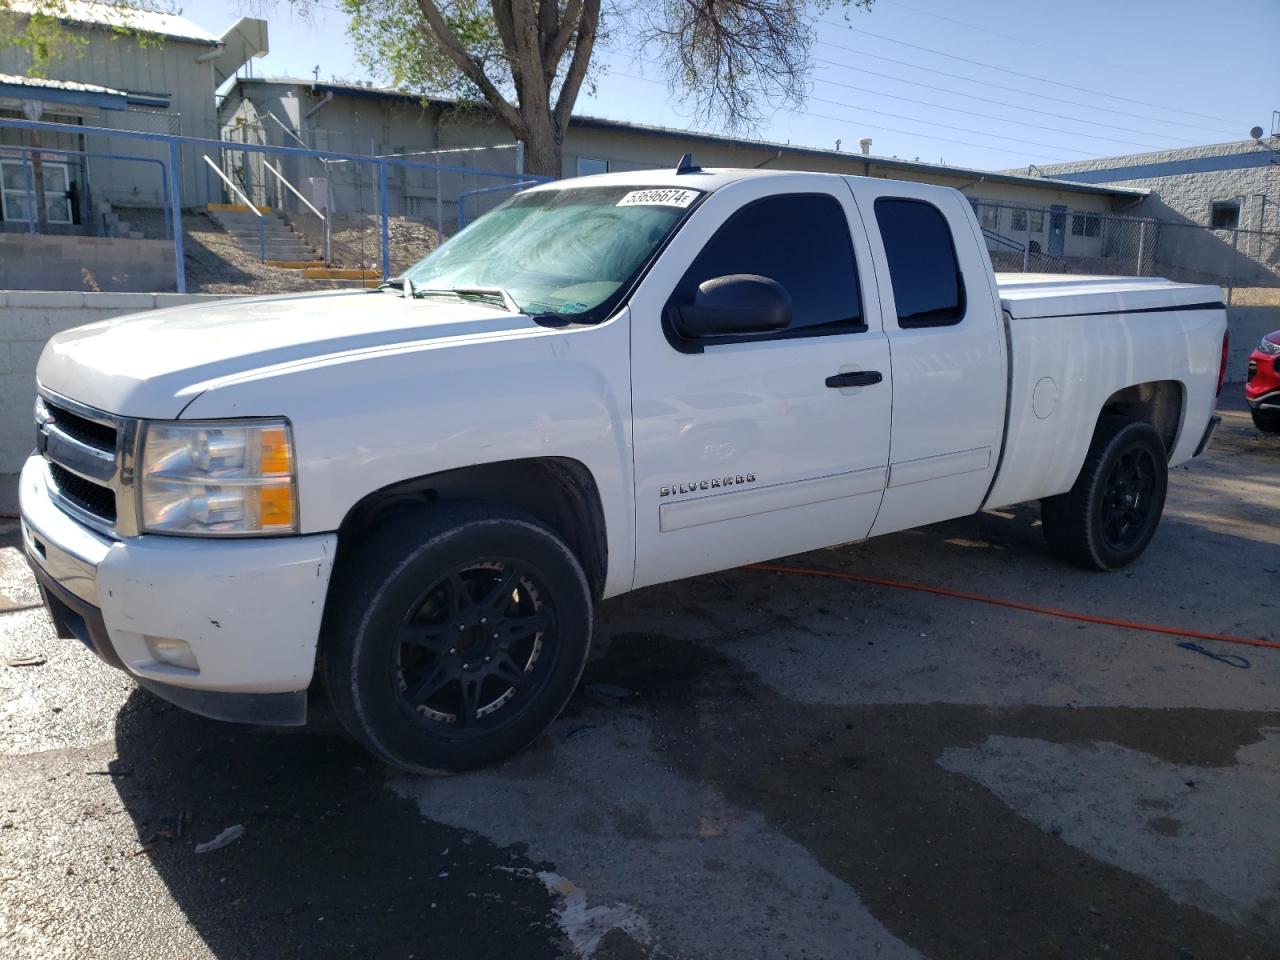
column 570, row 252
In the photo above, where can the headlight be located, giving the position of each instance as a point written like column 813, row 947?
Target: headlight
column 218, row 478
column 1269, row 346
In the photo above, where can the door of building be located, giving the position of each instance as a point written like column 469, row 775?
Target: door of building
column 1057, row 229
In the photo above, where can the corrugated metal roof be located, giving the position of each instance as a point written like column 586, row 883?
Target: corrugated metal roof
column 42, row 84
column 101, row 14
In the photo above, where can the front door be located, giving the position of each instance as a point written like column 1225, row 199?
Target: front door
column 1057, row 230
column 742, row 450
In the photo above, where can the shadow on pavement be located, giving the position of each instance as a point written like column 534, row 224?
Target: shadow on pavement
column 330, row 864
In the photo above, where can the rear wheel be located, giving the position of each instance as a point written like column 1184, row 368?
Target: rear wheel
column 455, row 636
column 1266, row 421
column 1107, row 519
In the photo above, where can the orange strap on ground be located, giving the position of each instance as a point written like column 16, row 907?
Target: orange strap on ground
column 1013, row 604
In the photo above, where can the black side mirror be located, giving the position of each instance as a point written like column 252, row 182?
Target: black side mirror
column 738, row 305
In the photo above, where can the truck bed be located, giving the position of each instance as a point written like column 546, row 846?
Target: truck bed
column 1030, row 295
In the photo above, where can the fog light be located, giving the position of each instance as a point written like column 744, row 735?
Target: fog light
column 176, row 653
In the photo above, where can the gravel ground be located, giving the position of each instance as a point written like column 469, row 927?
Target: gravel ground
column 756, row 765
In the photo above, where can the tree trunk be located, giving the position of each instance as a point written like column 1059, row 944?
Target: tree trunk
column 542, row 142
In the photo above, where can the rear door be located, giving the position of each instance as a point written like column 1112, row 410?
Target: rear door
column 742, row 451
column 942, row 321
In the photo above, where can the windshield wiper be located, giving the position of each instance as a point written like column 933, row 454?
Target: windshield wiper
column 489, row 293
column 500, row 293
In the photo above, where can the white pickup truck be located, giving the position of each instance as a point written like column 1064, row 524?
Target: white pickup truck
column 418, row 493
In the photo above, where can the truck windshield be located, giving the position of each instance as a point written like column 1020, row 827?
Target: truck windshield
column 571, row 252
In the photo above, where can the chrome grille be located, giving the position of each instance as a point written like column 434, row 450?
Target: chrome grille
column 90, row 462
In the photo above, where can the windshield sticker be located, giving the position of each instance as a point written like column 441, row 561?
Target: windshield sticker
column 667, row 197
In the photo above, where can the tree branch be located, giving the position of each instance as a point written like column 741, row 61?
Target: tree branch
column 587, row 25
column 452, row 48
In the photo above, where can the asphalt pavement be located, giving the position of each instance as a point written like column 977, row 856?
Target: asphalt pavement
column 756, row 765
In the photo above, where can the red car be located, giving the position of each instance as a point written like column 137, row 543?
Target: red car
column 1262, row 385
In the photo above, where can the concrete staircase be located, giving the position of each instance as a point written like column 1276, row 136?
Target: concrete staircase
column 284, row 246
column 113, row 226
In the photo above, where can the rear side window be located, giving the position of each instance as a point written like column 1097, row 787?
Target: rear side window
column 801, row 241
column 927, row 285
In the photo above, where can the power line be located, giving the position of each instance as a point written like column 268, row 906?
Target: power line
column 1027, row 76
column 991, row 116
column 1001, row 86
column 1006, row 36
column 948, row 126
column 910, row 133
column 999, row 103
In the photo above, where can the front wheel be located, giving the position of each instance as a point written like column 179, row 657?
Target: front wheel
column 1266, row 421
column 455, row 636
column 1107, row 519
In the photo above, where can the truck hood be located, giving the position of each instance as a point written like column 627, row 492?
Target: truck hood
column 153, row 364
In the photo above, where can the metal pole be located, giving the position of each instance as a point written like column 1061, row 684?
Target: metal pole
column 386, row 229
column 1231, row 279
column 31, row 192
column 262, row 239
column 1142, row 242
column 520, row 158
column 175, row 198
column 1026, row 246
column 439, row 208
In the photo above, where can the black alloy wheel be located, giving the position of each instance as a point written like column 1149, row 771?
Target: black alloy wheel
column 453, row 635
column 475, row 644
column 1127, row 498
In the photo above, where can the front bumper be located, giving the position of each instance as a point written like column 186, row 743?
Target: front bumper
column 249, row 610
column 1262, row 382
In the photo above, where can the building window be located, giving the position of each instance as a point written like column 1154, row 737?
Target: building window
column 1018, row 220
column 590, row 166
column 1086, row 225
column 1224, row 214
column 990, row 217
column 1037, row 221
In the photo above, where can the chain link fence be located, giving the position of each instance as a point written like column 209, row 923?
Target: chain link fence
column 1057, row 239
column 336, row 204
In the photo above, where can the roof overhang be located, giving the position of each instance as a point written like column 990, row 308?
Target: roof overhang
column 62, row 92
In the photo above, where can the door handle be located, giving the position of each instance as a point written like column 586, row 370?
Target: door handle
column 855, row 378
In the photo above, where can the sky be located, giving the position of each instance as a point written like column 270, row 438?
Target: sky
column 994, row 84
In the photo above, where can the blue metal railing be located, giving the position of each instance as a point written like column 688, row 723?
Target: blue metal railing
column 173, row 192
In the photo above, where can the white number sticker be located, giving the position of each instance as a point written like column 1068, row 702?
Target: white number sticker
column 665, row 197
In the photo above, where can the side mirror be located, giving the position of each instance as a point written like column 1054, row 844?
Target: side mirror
column 737, row 305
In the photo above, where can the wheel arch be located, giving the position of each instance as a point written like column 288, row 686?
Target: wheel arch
column 1159, row 403
column 559, row 491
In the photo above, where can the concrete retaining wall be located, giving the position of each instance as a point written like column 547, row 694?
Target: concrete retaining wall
column 27, row 320
column 42, row 262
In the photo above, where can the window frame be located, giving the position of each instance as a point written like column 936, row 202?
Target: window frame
column 830, row 329
column 1015, row 215
column 961, row 309
column 984, row 208
column 1216, row 205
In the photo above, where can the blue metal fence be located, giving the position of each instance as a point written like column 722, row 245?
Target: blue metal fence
column 171, row 174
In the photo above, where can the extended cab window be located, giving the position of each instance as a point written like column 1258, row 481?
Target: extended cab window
column 801, row 241
column 928, row 287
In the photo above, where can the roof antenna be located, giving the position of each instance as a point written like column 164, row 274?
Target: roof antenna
column 686, row 165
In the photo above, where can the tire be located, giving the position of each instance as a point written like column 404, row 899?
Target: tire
column 1107, row 519
column 454, row 636
column 1266, row 421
